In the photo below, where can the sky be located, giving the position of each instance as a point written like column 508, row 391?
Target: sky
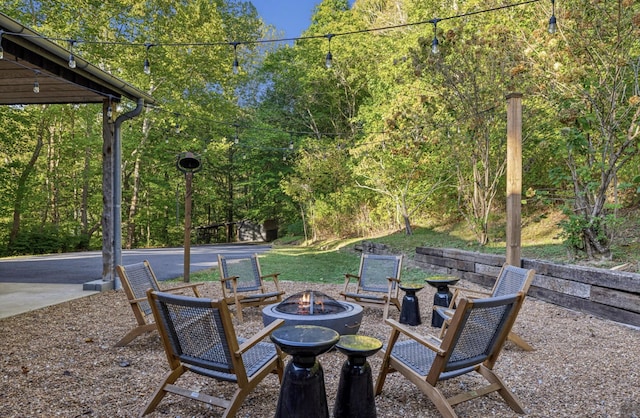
column 290, row 16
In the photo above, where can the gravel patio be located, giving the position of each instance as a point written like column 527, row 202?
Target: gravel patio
column 61, row 361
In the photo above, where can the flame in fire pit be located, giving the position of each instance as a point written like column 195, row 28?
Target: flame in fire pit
column 310, row 302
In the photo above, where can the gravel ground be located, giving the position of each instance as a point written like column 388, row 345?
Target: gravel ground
column 61, row 361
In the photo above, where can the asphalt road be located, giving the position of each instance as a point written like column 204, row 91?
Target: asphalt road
column 82, row 267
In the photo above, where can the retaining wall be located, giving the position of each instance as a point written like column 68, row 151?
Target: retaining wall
column 609, row 294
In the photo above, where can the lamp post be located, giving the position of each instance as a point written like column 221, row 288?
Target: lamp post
column 188, row 163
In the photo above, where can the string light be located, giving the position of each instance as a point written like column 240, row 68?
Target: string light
column 1, row 49
column 328, row 61
column 36, row 84
column 72, row 59
column 553, row 27
column 329, row 57
column 236, row 64
column 109, row 110
column 147, row 66
column 434, row 44
column 236, row 139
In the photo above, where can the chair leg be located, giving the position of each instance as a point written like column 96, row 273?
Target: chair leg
column 517, row 340
column 131, row 335
column 170, row 378
column 507, row 395
column 438, row 399
column 236, row 402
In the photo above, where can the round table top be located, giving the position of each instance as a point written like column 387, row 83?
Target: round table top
column 358, row 344
column 438, row 281
column 411, row 286
column 305, row 339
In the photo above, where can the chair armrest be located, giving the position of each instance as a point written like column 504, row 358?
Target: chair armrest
column 459, row 292
column 226, row 279
column 347, row 280
column 137, row 300
column 273, row 275
column 259, row 336
column 184, row 286
column 444, row 311
column 458, row 289
column 430, row 341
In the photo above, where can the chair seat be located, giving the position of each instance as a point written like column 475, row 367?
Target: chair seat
column 262, row 296
column 365, row 296
column 419, row 358
column 254, row 359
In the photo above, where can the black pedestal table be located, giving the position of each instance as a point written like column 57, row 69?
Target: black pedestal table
column 410, row 313
column 355, row 397
column 442, row 297
column 302, row 393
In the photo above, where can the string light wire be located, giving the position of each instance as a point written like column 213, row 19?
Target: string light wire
column 300, row 38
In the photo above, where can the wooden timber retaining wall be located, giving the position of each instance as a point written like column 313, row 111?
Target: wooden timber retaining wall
column 609, row 294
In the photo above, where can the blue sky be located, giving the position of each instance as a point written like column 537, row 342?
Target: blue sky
column 290, row 16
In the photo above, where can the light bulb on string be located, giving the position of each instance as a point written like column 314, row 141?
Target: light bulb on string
column 236, row 64
column 1, row 49
column 435, row 45
column 72, row 59
column 109, row 110
column 147, row 65
column 553, row 26
column 328, row 61
column 36, row 84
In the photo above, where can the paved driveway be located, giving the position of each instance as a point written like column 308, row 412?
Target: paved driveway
column 82, row 267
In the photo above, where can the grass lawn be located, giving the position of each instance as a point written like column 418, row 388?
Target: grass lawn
column 328, row 261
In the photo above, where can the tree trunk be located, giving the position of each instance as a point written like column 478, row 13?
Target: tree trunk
column 22, row 189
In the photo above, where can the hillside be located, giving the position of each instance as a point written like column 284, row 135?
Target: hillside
column 541, row 239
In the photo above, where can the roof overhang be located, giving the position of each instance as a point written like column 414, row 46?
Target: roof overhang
column 29, row 56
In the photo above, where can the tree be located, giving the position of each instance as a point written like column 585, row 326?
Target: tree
column 592, row 67
column 470, row 75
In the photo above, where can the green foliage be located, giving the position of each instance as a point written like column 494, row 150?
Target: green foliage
column 389, row 137
column 46, row 240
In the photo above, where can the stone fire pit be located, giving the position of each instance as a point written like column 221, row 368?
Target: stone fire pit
column 316, row 308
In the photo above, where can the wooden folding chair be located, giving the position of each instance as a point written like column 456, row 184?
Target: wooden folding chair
column 377, row 282
column 136, row 280
column 472, row 343
column 511, row 279
column 198, row 336
column 243, row 283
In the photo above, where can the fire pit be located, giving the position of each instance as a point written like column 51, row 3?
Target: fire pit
column 315, row 308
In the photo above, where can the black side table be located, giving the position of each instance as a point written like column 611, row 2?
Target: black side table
column 302, row 393
column 355, row 397
column 442, row 297
column 410, row 313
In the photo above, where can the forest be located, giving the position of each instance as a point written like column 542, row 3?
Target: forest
column 382, row 116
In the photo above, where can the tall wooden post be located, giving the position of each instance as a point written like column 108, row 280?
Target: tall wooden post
column 187, row 226
column 514, row 178
column 188, row 163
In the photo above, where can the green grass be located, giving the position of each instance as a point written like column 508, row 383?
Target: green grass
column 328, row 261
column 308, row 264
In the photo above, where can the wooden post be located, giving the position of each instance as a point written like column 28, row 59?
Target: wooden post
column 108, row 221
column 514, row 178
column 187, row 226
